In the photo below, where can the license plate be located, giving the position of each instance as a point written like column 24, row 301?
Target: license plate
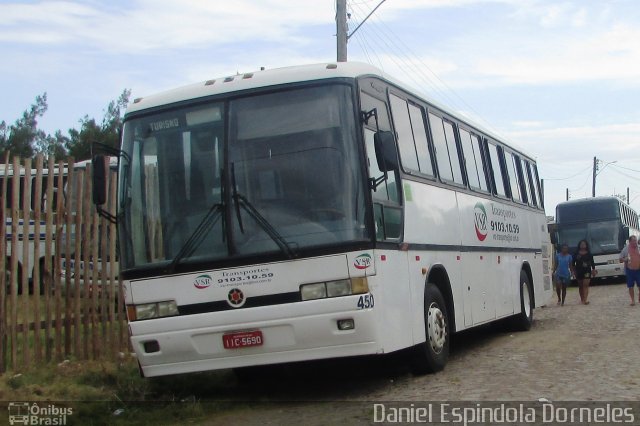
column 242, row 339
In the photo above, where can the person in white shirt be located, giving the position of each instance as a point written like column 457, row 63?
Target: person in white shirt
column 630, row 255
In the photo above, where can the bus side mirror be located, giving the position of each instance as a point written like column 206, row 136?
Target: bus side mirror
column 99, row 178
column 386, row 154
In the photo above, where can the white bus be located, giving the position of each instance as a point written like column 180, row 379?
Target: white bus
column 26, row 265
column 605, row 222
column 316, row 212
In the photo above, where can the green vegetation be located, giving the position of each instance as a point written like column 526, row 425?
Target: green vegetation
column 24, row 139
column 113, row 393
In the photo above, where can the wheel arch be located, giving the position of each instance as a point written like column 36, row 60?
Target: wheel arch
column 526, row 267
column 439, row 277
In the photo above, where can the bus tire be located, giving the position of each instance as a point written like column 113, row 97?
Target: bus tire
column 8, row 276
column 49, row 275
column 432, row 355
column 523, row 320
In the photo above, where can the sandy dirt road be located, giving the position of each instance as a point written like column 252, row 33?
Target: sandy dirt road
column 574, row 352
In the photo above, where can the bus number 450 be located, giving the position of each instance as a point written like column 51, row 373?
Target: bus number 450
column 365, row 302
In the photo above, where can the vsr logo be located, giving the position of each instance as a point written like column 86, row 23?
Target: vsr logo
column 480, row 221
column 202, row 281
column 363, row 261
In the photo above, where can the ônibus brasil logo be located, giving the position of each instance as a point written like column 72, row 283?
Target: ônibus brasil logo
column 363, row 261
column 202, row 281
column 480, row 221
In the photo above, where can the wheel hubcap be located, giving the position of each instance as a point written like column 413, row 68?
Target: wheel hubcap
column 436, row 328
column 526, row 300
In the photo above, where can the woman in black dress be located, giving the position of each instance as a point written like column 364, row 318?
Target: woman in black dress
column 585, row 269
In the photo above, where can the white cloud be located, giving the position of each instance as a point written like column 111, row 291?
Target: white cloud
column 609, row 54
column 147, row 25
column 555, row 144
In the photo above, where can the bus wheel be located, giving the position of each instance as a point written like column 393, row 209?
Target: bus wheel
column 432, row 355
column 524, row 319
column 7, row 270
column 48, row 275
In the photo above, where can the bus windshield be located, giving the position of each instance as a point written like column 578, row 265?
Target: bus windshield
column 603, row 236
column 267, row 173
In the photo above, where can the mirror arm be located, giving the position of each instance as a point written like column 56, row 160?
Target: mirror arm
column 374, row 183
column 366, row 115
column 98, row 147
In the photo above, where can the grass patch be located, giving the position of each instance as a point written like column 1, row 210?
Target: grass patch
column 113, row 393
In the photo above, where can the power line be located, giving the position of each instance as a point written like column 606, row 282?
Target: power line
column 569, row 177
column 364, row 44
column 627, row 168
column 403, row 63
column 581, row 186
column 628, row 176
column 387, row 36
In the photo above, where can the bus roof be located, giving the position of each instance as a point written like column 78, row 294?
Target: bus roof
column 80, row 165
column 591, row 200
column 293, row 74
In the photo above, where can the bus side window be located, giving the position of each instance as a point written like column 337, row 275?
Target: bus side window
column 524, row 180
column 516, row 193
column 412, row 138
column 454, row 154
column 420, row 136
column 440, row 148
column 402, row 125
column 446, row 149
column 532, row 190
column 536, row 181
column 473, row 161
column 496, row 168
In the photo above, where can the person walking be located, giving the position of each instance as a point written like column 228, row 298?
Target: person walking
column 630, row 255
column 584, row 268
column 563, row 272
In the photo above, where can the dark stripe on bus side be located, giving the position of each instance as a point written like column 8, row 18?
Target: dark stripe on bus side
column 452, row 247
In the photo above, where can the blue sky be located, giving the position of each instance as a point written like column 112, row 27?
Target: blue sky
column 561, row 79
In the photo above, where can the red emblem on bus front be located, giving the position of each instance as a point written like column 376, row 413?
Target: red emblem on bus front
column 235, row 298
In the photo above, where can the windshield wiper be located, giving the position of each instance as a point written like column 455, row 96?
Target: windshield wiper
column 242, row 201
column 197, row 236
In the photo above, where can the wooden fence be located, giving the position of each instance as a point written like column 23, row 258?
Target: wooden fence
column 60, row 296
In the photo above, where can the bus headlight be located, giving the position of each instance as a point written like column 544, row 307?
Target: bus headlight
column 313, row 291
column 154, row 310
column 338, row 288
column 335, row 288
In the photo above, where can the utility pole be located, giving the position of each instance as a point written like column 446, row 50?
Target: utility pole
column 628, row 202
column 341, row 30
column 567, row 194
column 595, row 171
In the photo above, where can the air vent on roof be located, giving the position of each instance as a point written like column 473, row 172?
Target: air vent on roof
column 136, row 100
column 209, row 82
column 247, row 75
column 228, row 79
column 332, row 66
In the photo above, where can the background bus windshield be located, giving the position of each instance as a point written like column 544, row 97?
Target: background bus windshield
column 596, row 221
column 291, row 180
